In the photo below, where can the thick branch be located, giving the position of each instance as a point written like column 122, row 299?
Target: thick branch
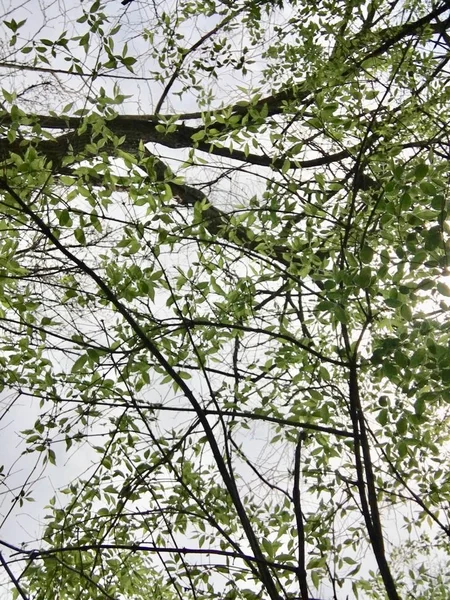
column 296, row 495
column 136, row 130
column 369, row 502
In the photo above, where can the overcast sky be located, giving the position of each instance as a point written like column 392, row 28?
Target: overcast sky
column 24, row 524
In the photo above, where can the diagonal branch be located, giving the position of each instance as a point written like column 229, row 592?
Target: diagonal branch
column 111, row 297
column 13, row 578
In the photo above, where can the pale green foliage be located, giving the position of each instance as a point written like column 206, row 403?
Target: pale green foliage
column 252, row 338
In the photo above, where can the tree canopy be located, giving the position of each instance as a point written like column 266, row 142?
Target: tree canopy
column 223, row 259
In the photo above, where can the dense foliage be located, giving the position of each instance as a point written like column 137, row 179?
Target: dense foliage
column 223, row 250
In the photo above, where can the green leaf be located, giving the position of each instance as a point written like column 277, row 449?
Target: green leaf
column 51, row 456
column 286, row 166
column 402, row 449
column 80, row 236
column 129, row 61
column 382, row 417
column 419, row 406
column 79, row 363
column 364, row 277
column 418, row 357
column 64, row 218
column 443, row 289
column 402, row 426
column 366, row 254
column 340, row 314
column 420, row 171
column 406, row 312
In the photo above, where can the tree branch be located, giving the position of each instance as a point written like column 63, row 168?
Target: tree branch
column 266, row 577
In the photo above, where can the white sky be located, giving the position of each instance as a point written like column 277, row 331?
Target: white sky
column 24, row 524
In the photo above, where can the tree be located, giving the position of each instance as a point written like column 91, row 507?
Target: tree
column 250, row 333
